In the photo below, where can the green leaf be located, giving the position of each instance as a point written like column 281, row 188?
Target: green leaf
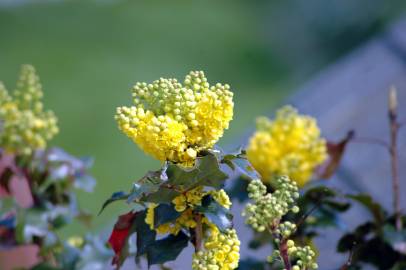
column 163, row 195
column 250, row 263
column 165, row 213
column 397, row 239
column 215, row 213
column 350, row 240
column 374, row 208
column 319, row 192
column 148, row 184
column 167, row 249
column 336, row 205
column 145, row 236
column 237, row 160
column 116, row 196
column 206, row 172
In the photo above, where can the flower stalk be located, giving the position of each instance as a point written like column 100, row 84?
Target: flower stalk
column 393, row 149
column 198, row 233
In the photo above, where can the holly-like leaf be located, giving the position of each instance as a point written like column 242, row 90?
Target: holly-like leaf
column 215, row 213
column 237, row 160
column 397, row 239
column 374, row 208
column 350, row 240
column 165, row 213
column 319, row 192
column 165, row 194
column 119, row 236
column 250, row 263
column 145, row 236
column 206, row 172
column 116, row 196
column 167, row 249
column 337, row 206
column 335, row 153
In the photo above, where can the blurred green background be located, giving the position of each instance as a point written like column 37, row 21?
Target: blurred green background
column 89, row 53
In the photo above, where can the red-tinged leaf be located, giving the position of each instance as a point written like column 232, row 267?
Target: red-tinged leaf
column 119, row 236
column 335, row 153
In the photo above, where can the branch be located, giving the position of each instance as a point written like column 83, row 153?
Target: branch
column 198, row 233
column 283, row 249
column 394, row 128
column 306, row 215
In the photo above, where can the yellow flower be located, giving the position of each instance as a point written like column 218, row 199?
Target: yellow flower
column 221, row 251
column 185, row 203
column 24, row 125
column 289, row 145
column 171, row 121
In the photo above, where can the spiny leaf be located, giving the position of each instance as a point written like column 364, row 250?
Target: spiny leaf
column 145, row 236
column 167, row 249
column 215, row 213
column 238, row 161
column 165, row 213
column 119, row 236
column 206, row 172
column 375, row 208
column 116, row 196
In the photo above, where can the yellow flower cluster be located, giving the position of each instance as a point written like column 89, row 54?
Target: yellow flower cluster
column 24, row 125
column 221, row 251
column 185, row 203
column 289, row 145
column 171, row 121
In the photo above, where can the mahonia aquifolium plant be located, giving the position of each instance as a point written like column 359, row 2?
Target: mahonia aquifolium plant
column 289, row 145
column 180, row 123
column 171, row 121
column 25, row 126
column 266, row 214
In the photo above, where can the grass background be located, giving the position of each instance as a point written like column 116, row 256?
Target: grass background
column 89, row 54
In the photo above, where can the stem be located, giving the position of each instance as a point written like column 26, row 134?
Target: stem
column 283, row 246
column 394, row 128
column 198, row 233
column 283, row 249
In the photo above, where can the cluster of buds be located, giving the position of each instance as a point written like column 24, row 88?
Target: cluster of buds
column 25, row 126
column 221, row 251
column 305, row 256
column 185, row 204
column 267, row 209
column 289, row 145
column 171, row 121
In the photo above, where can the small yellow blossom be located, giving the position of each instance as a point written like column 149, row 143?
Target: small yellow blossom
column 24, row 125
column 171, row 121
column 185, row 203
column 221, row 251
column 289, row 145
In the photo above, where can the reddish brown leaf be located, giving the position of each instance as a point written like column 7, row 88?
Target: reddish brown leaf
column 335, row 153
column 119, row 236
